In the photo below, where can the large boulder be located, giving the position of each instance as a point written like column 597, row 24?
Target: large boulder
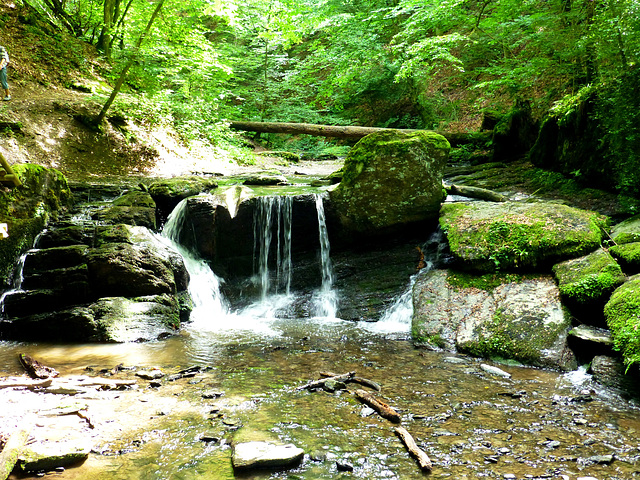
column 390, row 180
column 485, row 236
column 26, row 210
column 586, row 283
column 508, row 316
column 622, row 313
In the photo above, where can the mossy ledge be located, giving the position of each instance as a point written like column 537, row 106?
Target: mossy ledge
column 622, row 313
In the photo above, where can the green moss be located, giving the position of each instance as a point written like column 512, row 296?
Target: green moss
column 488, row 282
column 505, row 338
column 622, row 313
column 589, row 279
column 519, row 236
column 628, row 255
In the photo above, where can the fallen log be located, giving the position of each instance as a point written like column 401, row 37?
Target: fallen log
column 379, row 406
column 13, row 448
column 320, row 383
column 423, row 459
column 350, row 132
column 476, row 192
column 35, row 369
column 360, row 380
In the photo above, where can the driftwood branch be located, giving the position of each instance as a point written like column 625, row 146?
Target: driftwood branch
column 349, row 132
column 13, row 448
column 423, row 459
column 360, row 380
column 476, row 192
column 320, row 383
column 35, row 369
column 379, row 406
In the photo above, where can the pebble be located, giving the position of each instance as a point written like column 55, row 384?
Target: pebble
column 212, row 394
column 509, row 476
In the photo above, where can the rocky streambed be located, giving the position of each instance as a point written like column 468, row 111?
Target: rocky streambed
column 472, row 417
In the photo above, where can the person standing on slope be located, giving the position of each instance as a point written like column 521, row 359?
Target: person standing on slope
column 4, row 61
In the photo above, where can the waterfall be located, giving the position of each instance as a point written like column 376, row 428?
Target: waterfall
column 273, row 215
column 204, row 285
column 397, row 318
column 326, row 299
column 16, row 285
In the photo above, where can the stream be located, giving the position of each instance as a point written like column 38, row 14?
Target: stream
column 471, row 422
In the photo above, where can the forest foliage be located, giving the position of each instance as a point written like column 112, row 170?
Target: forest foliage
column 396, row 63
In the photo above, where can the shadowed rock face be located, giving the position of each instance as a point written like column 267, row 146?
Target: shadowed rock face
column 390, row 180
column 117, row 283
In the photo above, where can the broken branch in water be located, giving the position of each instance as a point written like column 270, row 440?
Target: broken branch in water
column 345, row 377
column 362, row 381
column 35, row 369
column 423, row 459
column 379, row 406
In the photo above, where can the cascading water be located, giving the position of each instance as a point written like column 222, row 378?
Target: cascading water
column 273, row 211
column 204, row 286
column 397, row 318
column 17, row 281
column 326, row 299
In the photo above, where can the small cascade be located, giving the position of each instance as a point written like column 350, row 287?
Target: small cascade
column 204, row 285
column 17, row 280
column 326, row 299
column 397, row 318
column 273, row 215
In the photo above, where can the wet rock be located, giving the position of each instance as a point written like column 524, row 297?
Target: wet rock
column 132, row 208
column 50, row 455
column 486, row 236
column 209, row 437
column 344, row 466
column 513, row 317
column 252, row 455
column 390, row 180
column 209, row 394
column 150, row 374
column 587, row 341
column 611, row 372
column 494, row 371
column 167, row 193
column 265, row 179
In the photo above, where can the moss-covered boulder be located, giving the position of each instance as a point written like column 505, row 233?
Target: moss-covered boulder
column 627, row 231
column 26, row 210
column 486, row 236
column 586, row 283
column 628, row 256
column 132, row 208
column 167, row 193
column 622, row 313
column 493, row 316
column 391, row 179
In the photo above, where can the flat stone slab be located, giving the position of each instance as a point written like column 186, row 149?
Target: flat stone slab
column 49, row 455
column 265, row 455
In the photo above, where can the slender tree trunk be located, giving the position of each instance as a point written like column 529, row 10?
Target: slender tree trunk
column 125, row 70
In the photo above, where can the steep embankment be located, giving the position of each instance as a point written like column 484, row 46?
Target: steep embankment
column 55, row 80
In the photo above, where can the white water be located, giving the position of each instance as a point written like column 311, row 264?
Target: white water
column 326, row 298
column 211, row 312
column 273, row 215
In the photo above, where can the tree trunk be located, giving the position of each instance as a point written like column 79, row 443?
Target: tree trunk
column 350, row 132
column 125, row 70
